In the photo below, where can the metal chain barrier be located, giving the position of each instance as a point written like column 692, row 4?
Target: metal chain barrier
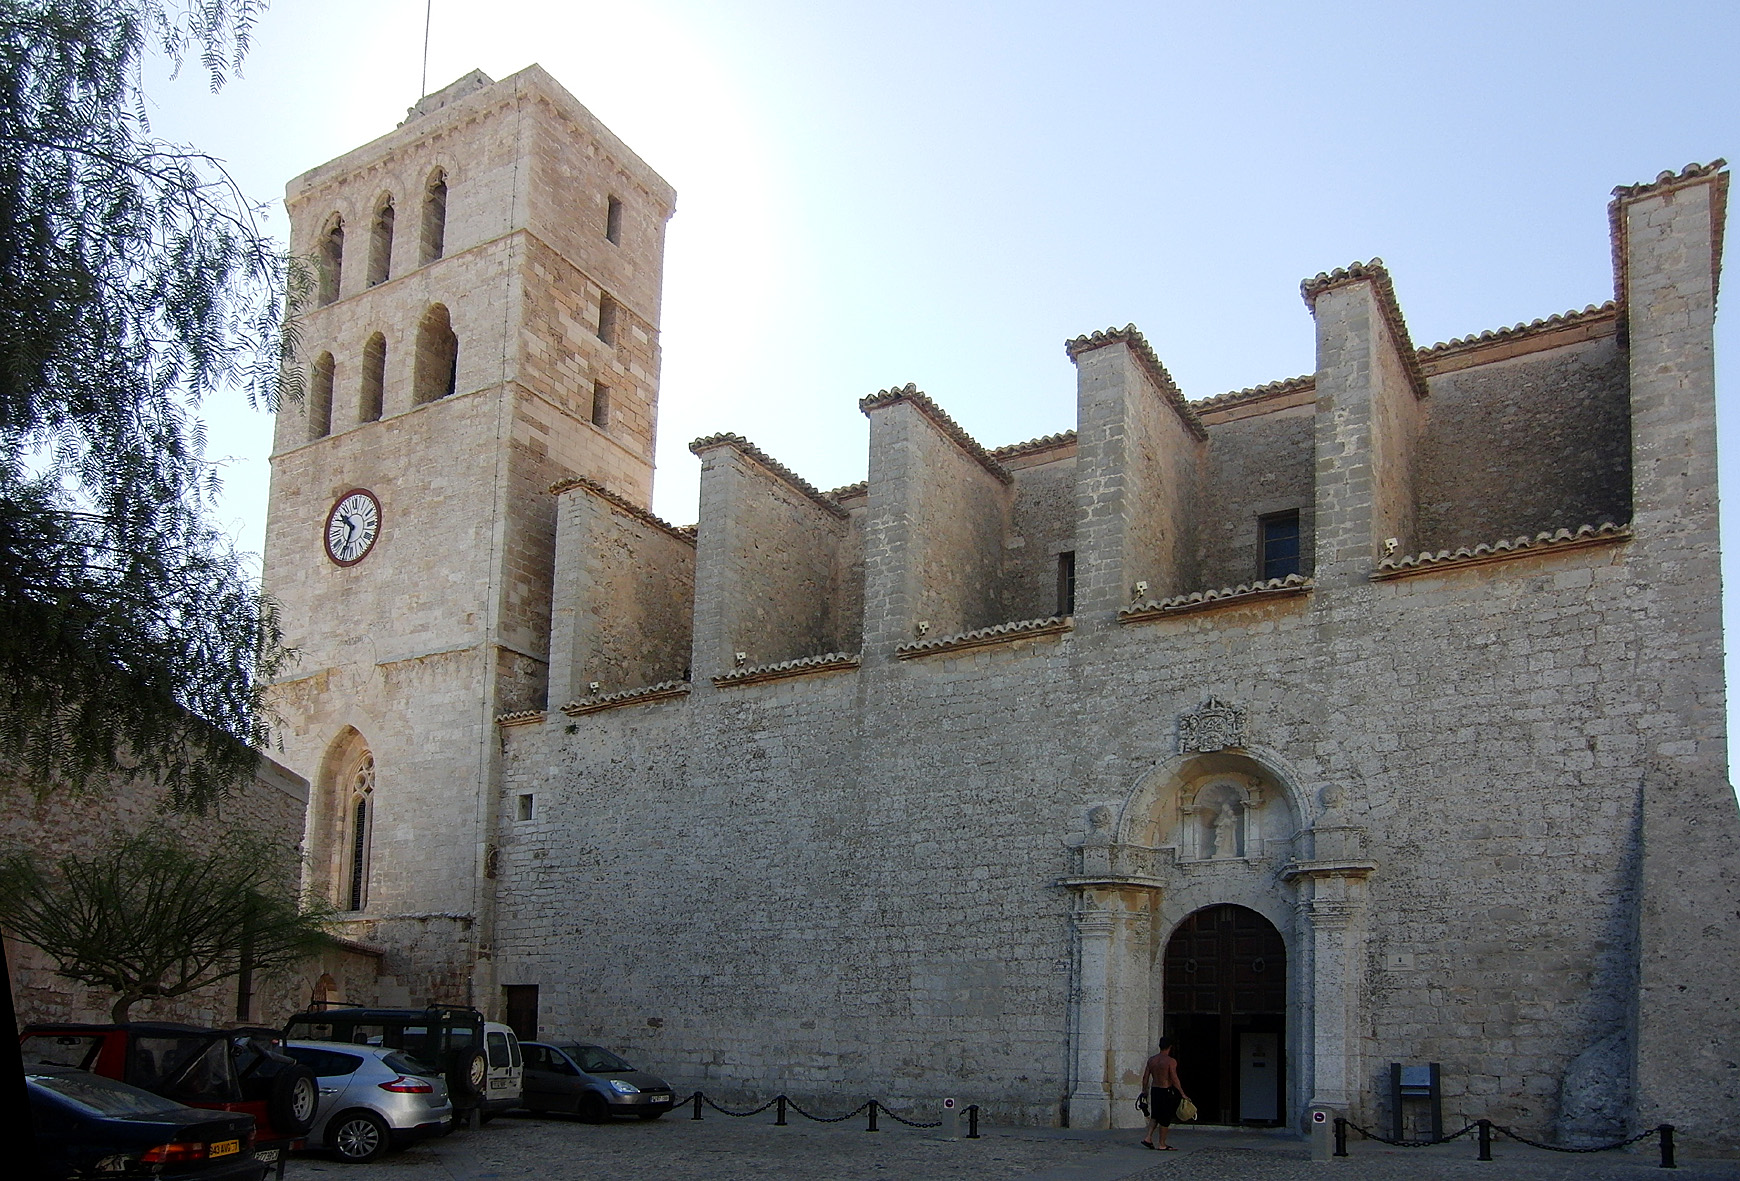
column 785, row 1103
column 1486, row 1128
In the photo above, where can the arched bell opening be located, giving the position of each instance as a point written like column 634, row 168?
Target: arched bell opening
column 1225, row 1001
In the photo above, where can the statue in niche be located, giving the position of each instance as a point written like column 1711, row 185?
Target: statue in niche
column 1226, row 831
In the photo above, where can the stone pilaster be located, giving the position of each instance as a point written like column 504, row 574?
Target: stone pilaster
column 1109, row 1027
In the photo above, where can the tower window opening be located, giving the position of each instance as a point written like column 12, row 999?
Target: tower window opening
column 607, row 319
column 381, row 244
column 435, row 217
column 331, row 260
column 600, row 404
column 613, row 221
column 374, row 379
column 320, row 397
column 437, row 367
column 1280, row 544
column 1066, row 583
column 526, row 803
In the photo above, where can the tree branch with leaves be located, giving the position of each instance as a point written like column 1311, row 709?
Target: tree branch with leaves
column 148, row 917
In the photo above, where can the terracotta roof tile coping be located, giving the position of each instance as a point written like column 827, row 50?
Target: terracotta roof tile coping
column 1565, row 539
column 1034, row 446
column 1256, row 393
column 1226, row 596
column 940, row 419
column 802, row 666
column 1130, row 335
column 980, row 637
column 519, row 717
column 1375, row 273
column 774, row 467
column 1531, row 328
column 626, row 505
column 857, row 488
column 1714, row 172
column 659, row 692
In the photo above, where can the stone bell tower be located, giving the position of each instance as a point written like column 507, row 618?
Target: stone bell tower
column 484, row 323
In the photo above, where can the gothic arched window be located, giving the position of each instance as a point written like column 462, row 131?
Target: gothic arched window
column 331, row 252
column 437, row 361
column 358, row 828
column 435, row 217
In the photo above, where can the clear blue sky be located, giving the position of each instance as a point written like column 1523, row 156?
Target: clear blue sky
column 944, row 192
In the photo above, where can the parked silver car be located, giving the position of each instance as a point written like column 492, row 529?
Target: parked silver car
column 372, row 1098
column 591, row 1082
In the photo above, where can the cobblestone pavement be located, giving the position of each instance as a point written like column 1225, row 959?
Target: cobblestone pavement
column 721, row 1149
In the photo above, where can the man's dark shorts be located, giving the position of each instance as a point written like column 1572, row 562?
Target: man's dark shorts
column 1163, row 1105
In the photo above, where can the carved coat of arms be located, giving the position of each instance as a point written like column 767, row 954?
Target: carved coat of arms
column 1215, row 726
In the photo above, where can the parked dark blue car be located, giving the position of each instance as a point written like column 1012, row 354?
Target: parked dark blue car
column 87, row 1125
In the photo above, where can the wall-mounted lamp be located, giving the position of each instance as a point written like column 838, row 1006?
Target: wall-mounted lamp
column 742, row 658
column 1141, row 589
column 594, row 686
column 1390, row 545
column 923, row 627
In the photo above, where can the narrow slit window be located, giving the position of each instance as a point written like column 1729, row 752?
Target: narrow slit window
column 435, row 217
column 360, row 822
column 613, row 221
column 526, row 805
column 374, row 380
column 331, row 260
column 381, row 244
column 607, row 319
column 600, row 404
column 320, row 397
column 1066, row 583
column 1280, row 542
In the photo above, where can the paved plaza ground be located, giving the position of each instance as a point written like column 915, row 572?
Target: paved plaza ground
column 721, row 1149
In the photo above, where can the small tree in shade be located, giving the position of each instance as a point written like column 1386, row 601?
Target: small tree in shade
column 148, row 917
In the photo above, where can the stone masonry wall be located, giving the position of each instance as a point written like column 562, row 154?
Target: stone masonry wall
column 1042, row 526
column 1255, row 466
column 625, row 599
column 1519, row 446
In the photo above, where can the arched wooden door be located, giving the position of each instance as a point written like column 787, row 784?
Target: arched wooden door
column 1226, row 1010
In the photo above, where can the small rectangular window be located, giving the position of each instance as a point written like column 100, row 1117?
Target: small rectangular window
column 600, row 404
column 613, row 221
column 525, row 807
column 1280, row 541
column 1066, row 583
column 606, row 319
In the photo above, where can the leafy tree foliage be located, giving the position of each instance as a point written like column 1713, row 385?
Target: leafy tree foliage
column 134, row 281
column 146, row 916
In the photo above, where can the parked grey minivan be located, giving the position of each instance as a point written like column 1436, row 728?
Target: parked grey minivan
column 591, row 1082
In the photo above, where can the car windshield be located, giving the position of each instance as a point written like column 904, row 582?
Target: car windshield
column 408, row 1064
column 101, row 1096
column 61, row 1049
column 595, row 1059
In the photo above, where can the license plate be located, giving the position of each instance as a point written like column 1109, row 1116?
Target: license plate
column 268, row 1155
column 225, row 1147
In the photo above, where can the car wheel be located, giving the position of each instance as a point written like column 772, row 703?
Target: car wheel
column 295, row 1098
column 357, row 1136
column 650, row 1114
column 593, row 1109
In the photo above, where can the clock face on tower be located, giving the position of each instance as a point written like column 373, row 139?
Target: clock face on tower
column 352, row 526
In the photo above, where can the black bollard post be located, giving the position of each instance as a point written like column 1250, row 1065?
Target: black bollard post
column 872, row 1126
column 1340, row 1136
column 1667, row 1146
column 779, row 1122
column 1485, row 1139
column 973, row 1122
column 697, row 1114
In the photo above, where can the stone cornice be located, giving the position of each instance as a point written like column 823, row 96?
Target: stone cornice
column 1503, row 550
column 772, row 466
column 803, row 666
column 1714, row 173
column 1229, row 596
column 1338, row 868
column 1145, row 356
column 663, row 691
column 1112, row 882
column 1375, row 273
column 980, row 637
column 622, row 504
column 940, row 419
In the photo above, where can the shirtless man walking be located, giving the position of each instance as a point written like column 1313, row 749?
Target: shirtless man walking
column 1160, row 1080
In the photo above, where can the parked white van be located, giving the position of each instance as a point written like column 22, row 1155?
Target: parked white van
column 506, row 1089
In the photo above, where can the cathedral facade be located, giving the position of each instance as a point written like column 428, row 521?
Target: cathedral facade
column 1372, row 716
